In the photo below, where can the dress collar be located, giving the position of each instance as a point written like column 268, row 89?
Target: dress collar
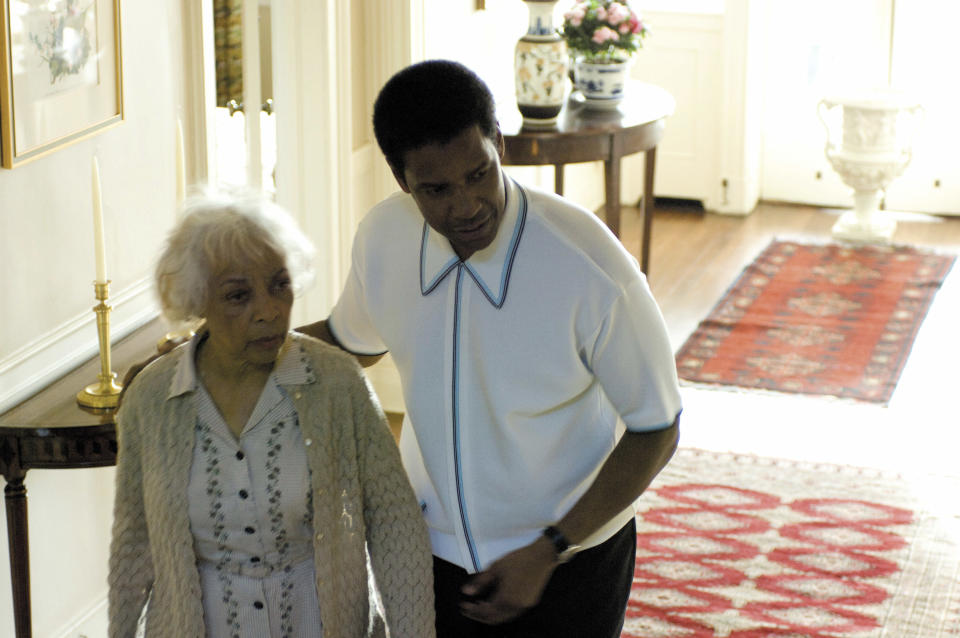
column 292, row 368
column 490, row 268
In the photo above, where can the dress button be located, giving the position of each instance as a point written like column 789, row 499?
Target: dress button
column 249, row 530
column 239, row 456
column 258, row 605
column 243, row 494
column 297, row 395
column 308, row 442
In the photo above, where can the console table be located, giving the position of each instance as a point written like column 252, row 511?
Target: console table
column 587, row 135
column 51, row 431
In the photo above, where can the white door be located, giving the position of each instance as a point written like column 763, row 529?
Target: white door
column 837, row 47
column 821, row 47
column 926, row 52
column 243, row 147
column 296, row 149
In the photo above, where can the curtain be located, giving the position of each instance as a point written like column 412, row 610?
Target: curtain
column 228, row 45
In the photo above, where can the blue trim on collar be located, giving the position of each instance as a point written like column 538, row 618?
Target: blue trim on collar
column 426, row 289
column 508, row 263
column 496, row 299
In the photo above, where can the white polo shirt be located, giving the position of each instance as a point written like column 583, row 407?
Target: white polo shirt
column 517, row 365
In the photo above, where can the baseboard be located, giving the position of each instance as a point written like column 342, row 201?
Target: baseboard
column 38, row 363
column 90, row 624
column 739, row 197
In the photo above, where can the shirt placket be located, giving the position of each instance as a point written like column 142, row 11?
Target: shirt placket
column 245, row 612
column 457, row 417
column 251, row 591
column 249, row 500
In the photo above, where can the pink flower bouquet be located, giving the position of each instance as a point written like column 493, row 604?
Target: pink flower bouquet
column 603, row 30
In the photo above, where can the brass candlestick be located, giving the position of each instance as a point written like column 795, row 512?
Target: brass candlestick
column 106, row 392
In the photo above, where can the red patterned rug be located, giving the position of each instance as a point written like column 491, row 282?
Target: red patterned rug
column 835, row 320
column 747, row 547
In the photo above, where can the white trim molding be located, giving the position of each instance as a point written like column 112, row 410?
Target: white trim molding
column 741, row 137
column 36, row 364
column 199, row 83
column 90, row 623
column 311, row 157
column 399, row 40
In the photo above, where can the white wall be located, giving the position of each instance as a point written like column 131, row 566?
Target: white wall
column 46, row 257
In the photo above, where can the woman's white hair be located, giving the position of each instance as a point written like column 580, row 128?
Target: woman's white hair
column 216, row 230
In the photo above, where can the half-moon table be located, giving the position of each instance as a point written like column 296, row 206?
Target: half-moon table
column 585, row 134
column 50, row 431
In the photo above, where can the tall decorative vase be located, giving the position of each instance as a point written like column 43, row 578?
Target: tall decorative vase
column 540, row 66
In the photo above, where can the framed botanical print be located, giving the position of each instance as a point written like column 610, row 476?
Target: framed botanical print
column 61, row 76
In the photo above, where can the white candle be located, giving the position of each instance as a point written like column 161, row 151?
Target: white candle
column 181, row 175
column 98, row 226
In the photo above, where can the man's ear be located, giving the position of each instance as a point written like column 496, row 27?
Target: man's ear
column 501, row 148
column 401, row 180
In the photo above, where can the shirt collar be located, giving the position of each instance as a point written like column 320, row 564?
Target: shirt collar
column 490, row 268
column 293, row 366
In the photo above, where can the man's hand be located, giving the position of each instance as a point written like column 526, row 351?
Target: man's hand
column 320, row 330
column 511, row 585
column 516, row 582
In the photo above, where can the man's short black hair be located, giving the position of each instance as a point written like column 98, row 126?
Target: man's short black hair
column 428, row 103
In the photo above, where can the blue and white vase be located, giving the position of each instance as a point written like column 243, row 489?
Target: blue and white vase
column 601, row 83
column 540, row 67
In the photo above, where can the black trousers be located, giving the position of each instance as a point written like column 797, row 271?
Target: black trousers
column 584, row 598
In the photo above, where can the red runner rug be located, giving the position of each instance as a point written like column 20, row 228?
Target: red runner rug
column 747, row 547
column 833, row 320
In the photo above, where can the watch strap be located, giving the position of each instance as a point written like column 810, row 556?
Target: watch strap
column 560, row 542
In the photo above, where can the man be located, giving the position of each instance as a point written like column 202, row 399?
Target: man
column 526, row 337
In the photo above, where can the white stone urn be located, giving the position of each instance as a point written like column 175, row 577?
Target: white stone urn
column 869, row 146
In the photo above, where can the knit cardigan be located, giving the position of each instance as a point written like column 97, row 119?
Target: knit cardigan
column 362, row 501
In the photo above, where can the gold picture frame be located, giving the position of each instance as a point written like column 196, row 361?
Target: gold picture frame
column 61, row 76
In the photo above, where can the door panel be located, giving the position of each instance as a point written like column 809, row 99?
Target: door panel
column 926, row 50
column 826, row 47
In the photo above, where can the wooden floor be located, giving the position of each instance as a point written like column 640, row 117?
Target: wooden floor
column 695, row 257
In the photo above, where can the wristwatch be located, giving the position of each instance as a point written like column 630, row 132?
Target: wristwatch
column 565, row 549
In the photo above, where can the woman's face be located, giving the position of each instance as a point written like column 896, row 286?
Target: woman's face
column 248, row 311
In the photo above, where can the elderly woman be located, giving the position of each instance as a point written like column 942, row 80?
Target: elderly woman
column 256, row 476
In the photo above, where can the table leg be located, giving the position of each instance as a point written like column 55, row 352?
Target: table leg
column 649, row 164
column 611, row 188
column 558, row 179
column 15, row 496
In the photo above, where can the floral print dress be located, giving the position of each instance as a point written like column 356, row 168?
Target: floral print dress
column 250, row 515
